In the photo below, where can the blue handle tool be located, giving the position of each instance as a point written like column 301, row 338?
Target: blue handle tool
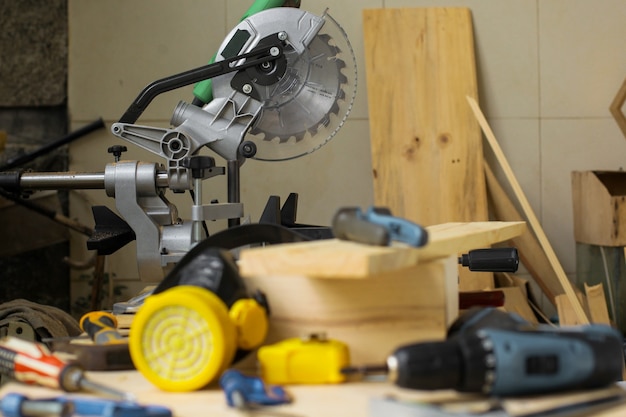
column 377, row 226
column 243, row 391
column 18, row 405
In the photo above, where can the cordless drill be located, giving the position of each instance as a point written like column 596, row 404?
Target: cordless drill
column 496, row 353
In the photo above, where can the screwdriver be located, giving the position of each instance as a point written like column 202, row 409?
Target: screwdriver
column 110, row 351
column 17, row 405
column 101, row 326
column 33, row 363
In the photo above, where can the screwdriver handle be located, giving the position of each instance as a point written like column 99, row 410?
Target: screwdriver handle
column 348, row 224
column 399, row 229
column 18, row 405
column 31, row 363
column 101, row 326
column 376, row 226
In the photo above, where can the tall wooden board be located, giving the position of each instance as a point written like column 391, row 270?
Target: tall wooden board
column 426, row 144
column 530, row 251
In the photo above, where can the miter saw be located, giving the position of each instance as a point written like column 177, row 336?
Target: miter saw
column 280, row 86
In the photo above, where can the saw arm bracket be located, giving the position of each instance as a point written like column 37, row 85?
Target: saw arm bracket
column 260, row 56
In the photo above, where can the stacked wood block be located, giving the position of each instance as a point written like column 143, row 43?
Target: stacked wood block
column 373, row 298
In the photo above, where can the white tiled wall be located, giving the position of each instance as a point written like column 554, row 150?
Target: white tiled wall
column 548, row 71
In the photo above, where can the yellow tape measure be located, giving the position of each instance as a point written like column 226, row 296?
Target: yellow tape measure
column 314, row 360
column 184, row 338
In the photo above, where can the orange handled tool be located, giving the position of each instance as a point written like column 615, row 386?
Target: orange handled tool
column 101, row 326
column 110, row 350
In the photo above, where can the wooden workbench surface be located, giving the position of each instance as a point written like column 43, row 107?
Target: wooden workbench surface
column 348, row 399
column 319, row 400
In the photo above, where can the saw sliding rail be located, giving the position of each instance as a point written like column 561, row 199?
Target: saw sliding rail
column 138, row 189
column 62, row 180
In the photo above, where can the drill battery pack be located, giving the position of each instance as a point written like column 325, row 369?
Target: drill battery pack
column 314, row 360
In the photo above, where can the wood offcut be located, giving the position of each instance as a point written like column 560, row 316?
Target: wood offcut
column 568, row 289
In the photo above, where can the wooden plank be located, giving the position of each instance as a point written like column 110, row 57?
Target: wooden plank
column 565, row 311
column 372, row 316
column 516, row 296
column 516, row 302
column 606, row 401
column 529, row 250
column 454, row 238
column 504, row 279
column 529, row 213
column 426, row 145
column 335, row 258
column 598, row 311
column 599, row 209
column 616, row 108
column 424, row 139
column 593, row 210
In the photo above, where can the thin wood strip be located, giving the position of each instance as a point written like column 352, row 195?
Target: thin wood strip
column 528, row 211
column 530, row 252
column 616, row 108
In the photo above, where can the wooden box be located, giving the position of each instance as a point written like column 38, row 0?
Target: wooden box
column 599, row 199
column 372, row 298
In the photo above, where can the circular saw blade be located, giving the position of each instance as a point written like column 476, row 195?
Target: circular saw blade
column 309, row 104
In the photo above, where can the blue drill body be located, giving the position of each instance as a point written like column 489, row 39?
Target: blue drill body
column 492, row 352
column 541, row 361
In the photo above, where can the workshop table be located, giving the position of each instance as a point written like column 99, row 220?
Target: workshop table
column 319, row 400
column 347, row 399
column 339, row 284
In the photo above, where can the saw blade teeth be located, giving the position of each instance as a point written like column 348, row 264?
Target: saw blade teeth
column 310, row 102
column 325, row 37
column 341, row 95
column 342, row 80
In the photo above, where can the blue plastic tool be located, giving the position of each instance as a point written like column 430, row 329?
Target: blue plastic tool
column 377, row 226
column 18, row 405
column 244, row 391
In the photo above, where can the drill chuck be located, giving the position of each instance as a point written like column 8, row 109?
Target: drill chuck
column 426, row 366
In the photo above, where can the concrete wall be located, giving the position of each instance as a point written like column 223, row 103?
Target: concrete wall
column 33, row 114
column 548, row 71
